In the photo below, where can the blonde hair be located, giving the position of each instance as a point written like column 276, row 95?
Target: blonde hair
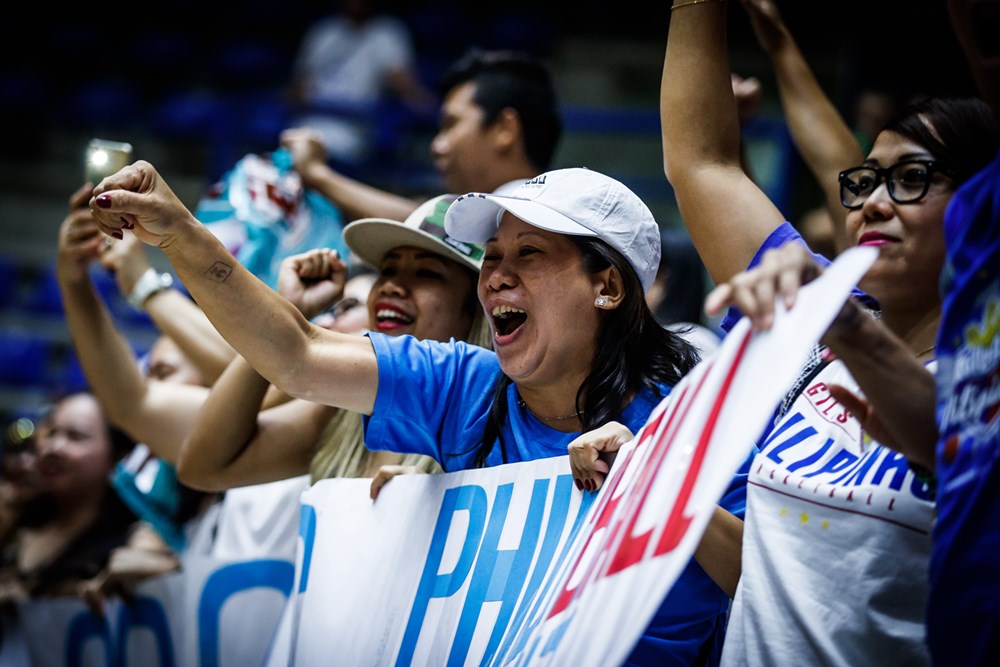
column 342, row 451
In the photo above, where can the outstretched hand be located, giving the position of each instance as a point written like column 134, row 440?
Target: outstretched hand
column 592, row 454
column 313, row 281
column 137, row 198
column 307, row 149
column 767, row 23
column 780, row 274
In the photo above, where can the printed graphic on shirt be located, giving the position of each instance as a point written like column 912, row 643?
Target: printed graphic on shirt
column 820, row 459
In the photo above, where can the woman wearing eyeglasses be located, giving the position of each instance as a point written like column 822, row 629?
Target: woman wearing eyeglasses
column 830, row 566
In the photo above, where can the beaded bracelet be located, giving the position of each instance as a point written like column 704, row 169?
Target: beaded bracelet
column 691, row 2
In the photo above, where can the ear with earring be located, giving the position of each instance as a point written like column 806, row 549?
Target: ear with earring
column 600, row 302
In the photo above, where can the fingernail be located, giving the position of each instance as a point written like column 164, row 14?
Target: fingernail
column 118, row 234
column 104, row 201
column 126, row 224
column 579, row 484
column 590, row 485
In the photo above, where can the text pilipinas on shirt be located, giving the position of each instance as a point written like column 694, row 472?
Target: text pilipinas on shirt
column 819, row 455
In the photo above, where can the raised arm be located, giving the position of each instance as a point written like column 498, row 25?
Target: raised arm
column 824, row 140
column 157, row 413
column 172, row 312
column 300, row 358
column 354, row 198
column 234, row 442
column 726, row 214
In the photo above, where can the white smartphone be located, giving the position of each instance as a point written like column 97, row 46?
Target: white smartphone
column 104, row 158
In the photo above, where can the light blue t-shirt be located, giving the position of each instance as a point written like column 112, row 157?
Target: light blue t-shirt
column 434, row 399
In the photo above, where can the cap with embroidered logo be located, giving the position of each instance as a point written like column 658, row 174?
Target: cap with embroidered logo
column 575, row 201
column 371, row 238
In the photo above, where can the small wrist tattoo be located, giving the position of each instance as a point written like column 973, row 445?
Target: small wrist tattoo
column 219, row 272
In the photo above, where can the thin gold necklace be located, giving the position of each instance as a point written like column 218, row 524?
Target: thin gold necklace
column 521, row 404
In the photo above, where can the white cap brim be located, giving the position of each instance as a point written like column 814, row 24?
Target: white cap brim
column 371, row 238
column 474, row 218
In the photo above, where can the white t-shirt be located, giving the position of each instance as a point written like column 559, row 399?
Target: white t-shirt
column 345, row 63
column 836, row 545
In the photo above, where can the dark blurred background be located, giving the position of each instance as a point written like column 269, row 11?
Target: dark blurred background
column 195, row 85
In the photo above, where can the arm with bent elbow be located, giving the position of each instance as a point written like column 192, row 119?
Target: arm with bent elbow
column 299, row 357
column 156, row 413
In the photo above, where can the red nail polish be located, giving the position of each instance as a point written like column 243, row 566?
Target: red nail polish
column 104, row 201
column 579, row 484
column 118, row 234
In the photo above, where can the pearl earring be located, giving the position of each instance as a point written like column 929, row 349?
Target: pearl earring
column 600, row 302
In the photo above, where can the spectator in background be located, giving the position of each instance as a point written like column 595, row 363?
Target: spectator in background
column 499, row 127
column 84, row 519
column 347, row 64
column 19, row 479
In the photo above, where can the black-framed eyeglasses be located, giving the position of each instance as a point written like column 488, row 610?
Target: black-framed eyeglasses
column 907, row 181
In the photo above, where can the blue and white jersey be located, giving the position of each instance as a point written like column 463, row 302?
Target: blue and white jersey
column 835, row 544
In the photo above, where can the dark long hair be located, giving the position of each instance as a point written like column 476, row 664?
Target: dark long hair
column 633, row 351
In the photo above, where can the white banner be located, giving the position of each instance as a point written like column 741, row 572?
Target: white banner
column 434, row 570
column 493, row 566
column 505, row 565
column 213, row 614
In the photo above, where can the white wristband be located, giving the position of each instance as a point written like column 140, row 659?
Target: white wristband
column 149, row 283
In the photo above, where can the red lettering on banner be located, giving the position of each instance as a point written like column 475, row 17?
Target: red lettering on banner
column 631, row 548
column 606, row 512
column 678, row 523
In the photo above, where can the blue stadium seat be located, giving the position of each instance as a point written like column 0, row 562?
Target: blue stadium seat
column 24, row 358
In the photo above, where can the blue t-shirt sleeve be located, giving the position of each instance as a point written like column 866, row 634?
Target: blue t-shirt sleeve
column 433, row 398
column 782, row 234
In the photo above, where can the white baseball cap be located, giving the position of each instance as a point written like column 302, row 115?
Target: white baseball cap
column 575, row 201
column 371, row 238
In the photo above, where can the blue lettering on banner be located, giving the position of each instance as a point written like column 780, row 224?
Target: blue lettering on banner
column 147, row 613
column 86, row 626
column 226, row 582
column 471, row 499
column 499, row 576
column 307, row 531
column 561, row 497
